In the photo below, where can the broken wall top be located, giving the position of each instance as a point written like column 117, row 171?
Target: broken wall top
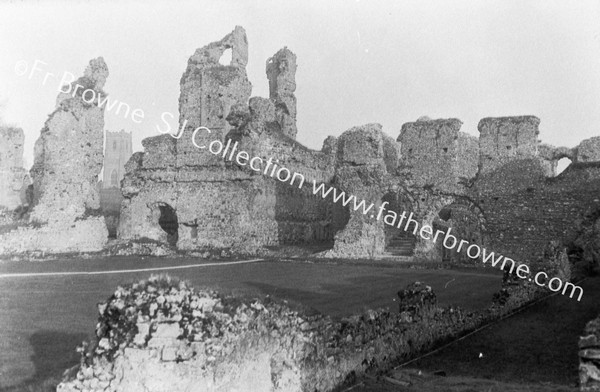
column 503, row 139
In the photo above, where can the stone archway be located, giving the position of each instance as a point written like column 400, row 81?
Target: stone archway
column 166, row 218
column 466, row 222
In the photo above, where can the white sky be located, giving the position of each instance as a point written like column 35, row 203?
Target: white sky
column 358, row 61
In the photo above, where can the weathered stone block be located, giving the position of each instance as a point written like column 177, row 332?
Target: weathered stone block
column 589, row 150
column 503, row 139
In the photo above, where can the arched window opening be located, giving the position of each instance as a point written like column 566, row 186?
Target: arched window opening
column 562, row 164
column 114, row 178
column 226, row 57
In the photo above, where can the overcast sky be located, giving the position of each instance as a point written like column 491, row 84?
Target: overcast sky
column 358, row 61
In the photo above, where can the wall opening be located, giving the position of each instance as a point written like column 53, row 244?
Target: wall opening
column 168, row 222
column 465, row 223
column 113, row 178
column 226, row 57
column 306, row 220
column 562, row 164
column 397, row 241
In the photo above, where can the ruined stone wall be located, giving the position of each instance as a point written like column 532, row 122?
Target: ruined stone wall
column 363, row 167
column 281, row 71
column 430, row 151
column 216, row 202
column 505, row 139
column 588, row 150
column 164, row 335
column 12, row 172
column 589, row 356
column 524, row 209
column 68, row 153
column 68, row 159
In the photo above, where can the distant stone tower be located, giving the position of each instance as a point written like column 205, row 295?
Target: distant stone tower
column 117, row 151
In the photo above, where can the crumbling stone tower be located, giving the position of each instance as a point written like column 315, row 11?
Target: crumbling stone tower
column 208, row 91
column 117, row 150
column 281, row 71
column 68, row 159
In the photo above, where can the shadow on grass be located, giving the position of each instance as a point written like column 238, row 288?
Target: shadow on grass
column 53, row 353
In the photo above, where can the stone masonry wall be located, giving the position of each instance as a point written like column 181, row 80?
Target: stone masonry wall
column 430, row 150
column 589, row 357
column 524, row 209
column 216, row 202
column 161, row 334
column 281, row 71
column 12, row 172
column 504, row 139
column 68, row 159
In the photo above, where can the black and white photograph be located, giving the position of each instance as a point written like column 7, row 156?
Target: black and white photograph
column 300, row 196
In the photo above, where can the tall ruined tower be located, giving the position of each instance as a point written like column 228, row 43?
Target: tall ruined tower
column 209, row 90
column 281, row 71
column 117, row 151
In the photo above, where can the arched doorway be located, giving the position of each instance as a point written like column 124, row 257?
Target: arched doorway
column 168, row 222
column 466, row 222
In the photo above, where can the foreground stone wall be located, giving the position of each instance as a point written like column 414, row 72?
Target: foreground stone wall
column 162, row 335
column 12, row 172
column 589, row 357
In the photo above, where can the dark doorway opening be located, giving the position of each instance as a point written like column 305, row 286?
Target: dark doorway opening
column 168, row 222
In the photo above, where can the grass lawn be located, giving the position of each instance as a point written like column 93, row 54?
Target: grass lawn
column 536, row 345
column 43, row 319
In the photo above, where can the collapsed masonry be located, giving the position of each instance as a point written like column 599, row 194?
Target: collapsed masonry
column 499, row 191
column 68, row 159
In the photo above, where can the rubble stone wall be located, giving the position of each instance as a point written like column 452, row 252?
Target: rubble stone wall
column 68, row 158
column 430, row 152
column 505, row 139
column 524, row 209
column 12, row 172
column 161, row 334
column 589, row 357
